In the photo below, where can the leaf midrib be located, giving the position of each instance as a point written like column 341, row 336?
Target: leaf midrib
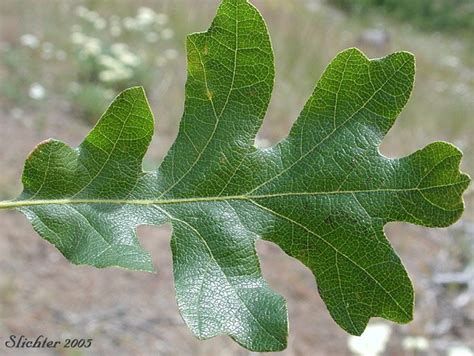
column 93, row 201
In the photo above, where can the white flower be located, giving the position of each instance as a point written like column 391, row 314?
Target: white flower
column 129, row 59
column 81, row 11
column 107, row 76
column 92, row 16
column 171, row 54
column 372, row 342
column 121, row 51
column 114, row 70
column 109, row 62
column 459, row 351
column 415, row 343
column 118, row 48
column 130, row 23
column 152, row 37
column 161, row 19
column 37, row 91
column 91, row 47
column 100, row 23
column 29, row 40
column 78, row 38
column 167, row 34
column 145, row 16
column 115, row 75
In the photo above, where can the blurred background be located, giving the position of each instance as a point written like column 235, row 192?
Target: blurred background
column 62, row 62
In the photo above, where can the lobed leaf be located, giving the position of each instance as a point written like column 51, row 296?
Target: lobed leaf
column 323, row 194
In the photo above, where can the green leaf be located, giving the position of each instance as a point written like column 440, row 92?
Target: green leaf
column 323, row 194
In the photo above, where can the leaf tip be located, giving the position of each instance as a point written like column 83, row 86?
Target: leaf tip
column 352, row 51
column 136, row 90
column 44, row 143
column 44, row 147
